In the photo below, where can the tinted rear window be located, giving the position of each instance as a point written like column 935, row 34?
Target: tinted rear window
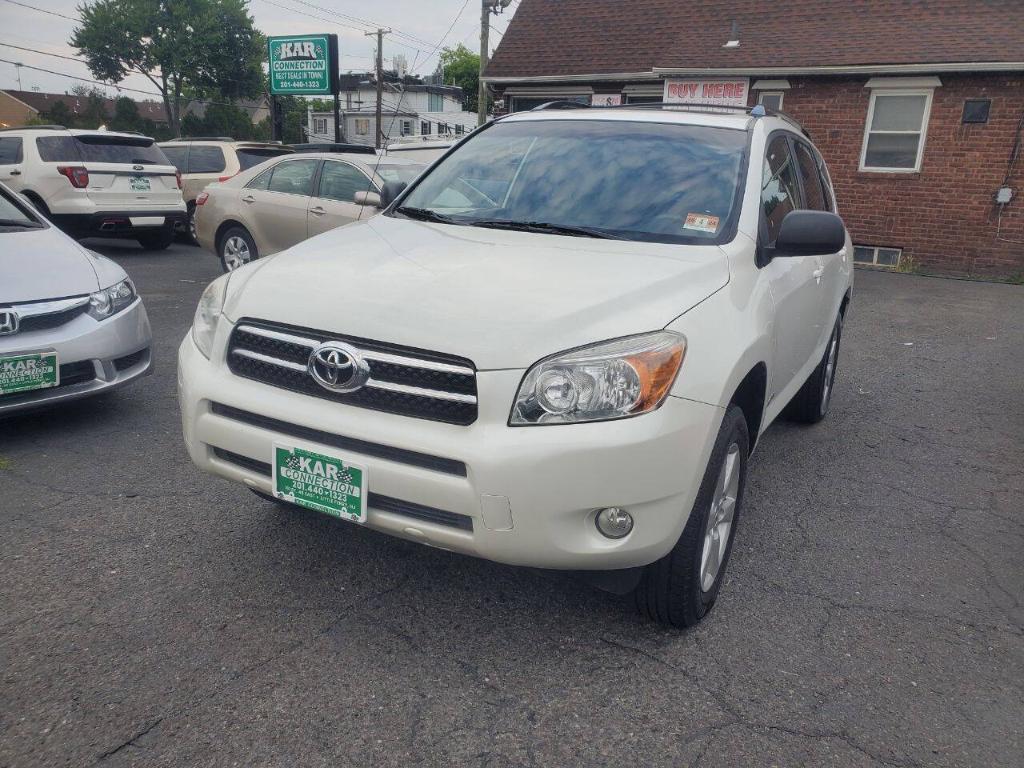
column 104, row 149
column 100, row 149
column 206, row 160
column 247, row 158
column 10, row 150
column 177, row 156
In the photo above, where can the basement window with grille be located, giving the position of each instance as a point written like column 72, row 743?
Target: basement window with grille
column 875, row 256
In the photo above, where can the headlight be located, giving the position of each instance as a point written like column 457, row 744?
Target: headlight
column 611, row 380
column 204, row 324
column 112, row 300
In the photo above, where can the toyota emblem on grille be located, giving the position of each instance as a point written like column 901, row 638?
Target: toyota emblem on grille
column 8, row 322
column 338, row 367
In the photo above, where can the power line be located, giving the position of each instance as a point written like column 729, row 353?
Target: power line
column 329, row 21
column 445, row 36
column 370, row 24
column 43, row 10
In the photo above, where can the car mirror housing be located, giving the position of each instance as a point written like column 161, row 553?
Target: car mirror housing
column 368, row 198
column 390, row 191
column 810, row 233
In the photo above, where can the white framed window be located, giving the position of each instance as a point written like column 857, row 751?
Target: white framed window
column 895, row 131
column 362, row 127
column 407, row 127
column 877, row 257
column 771, row 99
column 320, row 125
column 425, row 127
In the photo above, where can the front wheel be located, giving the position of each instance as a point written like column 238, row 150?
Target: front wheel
column 680, row 589
column 237, row 249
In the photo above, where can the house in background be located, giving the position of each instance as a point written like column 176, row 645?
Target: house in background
column 917, row 107
column 17, row 108
column 257, row 109
column 407, row 110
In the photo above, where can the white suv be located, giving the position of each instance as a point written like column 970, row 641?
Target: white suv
column 95, row 183
column 556, row 348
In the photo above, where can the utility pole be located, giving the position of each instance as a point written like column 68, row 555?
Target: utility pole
column 487, row 8
column 380, row 81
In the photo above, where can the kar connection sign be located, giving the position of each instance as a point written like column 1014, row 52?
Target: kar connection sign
column 304, row 64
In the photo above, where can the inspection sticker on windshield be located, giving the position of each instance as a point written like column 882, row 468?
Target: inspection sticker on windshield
column 326, row 484
column 21, row 373
column 702, row 222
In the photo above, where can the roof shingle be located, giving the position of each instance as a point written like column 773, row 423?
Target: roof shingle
column 581, row 37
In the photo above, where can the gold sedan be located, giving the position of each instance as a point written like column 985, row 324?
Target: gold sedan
column 288, row 199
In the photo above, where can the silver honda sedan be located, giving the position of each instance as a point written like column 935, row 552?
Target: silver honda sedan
column 71, row 323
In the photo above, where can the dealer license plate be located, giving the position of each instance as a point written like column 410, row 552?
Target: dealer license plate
column 21, row 373
column 327, row 484
column 140, row 184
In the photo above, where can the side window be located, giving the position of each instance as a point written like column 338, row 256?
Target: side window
column 811, row 178
column 206, row 160
column 780, row 192
column 293, row 178
column 58, row 149
column 262, row 181
column 340, row 181
column 10, row 150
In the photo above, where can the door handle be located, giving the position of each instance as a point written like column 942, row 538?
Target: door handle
column 15, row 172
column 818, row 273
column 318, row 211
column 248, row 199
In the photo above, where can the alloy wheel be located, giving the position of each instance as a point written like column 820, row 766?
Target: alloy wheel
column 720, row 518
column 830, row 370
column 236, row 252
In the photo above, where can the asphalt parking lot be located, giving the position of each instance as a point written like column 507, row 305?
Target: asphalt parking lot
column 872, row 616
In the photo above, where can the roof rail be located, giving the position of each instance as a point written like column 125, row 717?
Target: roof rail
column 758, row 110
column 36, row 128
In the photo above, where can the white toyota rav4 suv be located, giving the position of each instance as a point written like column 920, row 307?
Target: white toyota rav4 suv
column 95, row 183
column 556, row 348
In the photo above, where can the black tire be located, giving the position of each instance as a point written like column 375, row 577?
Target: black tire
column 186, row 230
column 232, row 257
column 670, row 590
column 157, row 241
column 810, row 404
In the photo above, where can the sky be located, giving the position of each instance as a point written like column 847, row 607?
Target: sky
column 419, row 26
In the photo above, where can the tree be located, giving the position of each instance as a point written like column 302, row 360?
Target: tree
column 461, row 67
column 199, row 47
column 219, row 119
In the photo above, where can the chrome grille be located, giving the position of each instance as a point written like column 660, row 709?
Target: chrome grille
column 403, row 380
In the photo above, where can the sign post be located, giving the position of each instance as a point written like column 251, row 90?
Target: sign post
column 305, row 65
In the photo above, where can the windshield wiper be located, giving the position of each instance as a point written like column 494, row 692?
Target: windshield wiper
column 425, row 214
column 545, row 226
column 20, row 223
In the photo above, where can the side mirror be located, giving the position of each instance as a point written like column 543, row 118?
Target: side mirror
column 390, row 191
column 810, row 233
column 368, row 198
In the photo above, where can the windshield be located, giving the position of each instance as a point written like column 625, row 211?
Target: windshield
column 630, row 180
column 406, row 173
column 14, row 215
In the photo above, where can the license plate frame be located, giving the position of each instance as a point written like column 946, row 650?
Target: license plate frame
column 140, row 183
column 29, row 371
column 319, row 480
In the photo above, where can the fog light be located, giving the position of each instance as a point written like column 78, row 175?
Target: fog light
column 614, row 522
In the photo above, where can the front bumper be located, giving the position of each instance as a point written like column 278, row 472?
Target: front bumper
column 518, row 495
column 94, row 356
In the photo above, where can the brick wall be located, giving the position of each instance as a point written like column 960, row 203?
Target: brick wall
column 944, row 217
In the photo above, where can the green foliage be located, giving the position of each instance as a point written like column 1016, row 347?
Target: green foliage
column 195, row 47
column 220, row 119
column 462, row 68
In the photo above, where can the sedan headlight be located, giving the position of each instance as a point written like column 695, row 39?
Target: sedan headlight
column 208, row 314
column 611, row 380
column 112, row 300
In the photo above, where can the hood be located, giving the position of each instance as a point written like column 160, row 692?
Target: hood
column 40, row 264
column 502, row 299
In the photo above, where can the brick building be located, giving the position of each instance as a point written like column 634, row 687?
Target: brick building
column 917, row 107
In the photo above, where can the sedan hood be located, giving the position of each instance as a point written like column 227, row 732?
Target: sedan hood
column 502, row 299
column 40, row 264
